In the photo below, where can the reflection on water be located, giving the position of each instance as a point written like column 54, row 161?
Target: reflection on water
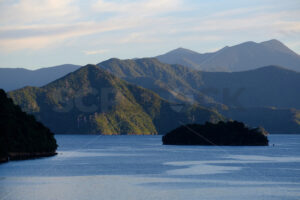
column 200, row 169
column 139, row 167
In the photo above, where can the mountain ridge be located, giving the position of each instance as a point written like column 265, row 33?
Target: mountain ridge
column 15, row 78
column 148, row 72
column 231, row 93
column 240, row 57
column 92, row 101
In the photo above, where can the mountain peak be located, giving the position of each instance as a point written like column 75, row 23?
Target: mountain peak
column 274, row 68
column 268, row 42
column 245, row 44
column 94, row 70
column 274, row 44
column 249, row 42
column 113, row 59
column 244, row 56
column 182, row 50
column 90, row 66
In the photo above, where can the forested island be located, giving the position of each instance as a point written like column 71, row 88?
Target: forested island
column 21, row 136
column 231, row 133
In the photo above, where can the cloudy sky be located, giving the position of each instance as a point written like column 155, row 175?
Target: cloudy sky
column 40, row 33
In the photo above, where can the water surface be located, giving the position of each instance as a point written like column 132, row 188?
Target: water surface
column 140, row 167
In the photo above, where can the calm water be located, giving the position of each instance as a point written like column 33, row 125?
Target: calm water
column 140, row 167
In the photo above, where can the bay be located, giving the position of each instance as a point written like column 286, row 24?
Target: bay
column 140, row 167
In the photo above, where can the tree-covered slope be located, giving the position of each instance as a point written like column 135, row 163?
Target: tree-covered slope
column 265, row 86
column 231, row 133
column 21, row 136
column 152, row 74
column 93, row 101
column 175, row 83
column 229, row 92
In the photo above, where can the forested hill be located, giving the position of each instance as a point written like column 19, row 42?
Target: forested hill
column 94, row 101
column 21, row 136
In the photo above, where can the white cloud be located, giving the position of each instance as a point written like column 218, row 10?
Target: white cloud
column 44, row 23
column 240, row 11
column 41, row 36
column 139, row 37
column 138, row 8
column 94, row 52
column 32, row 24
column 37, row 11
column 270, row 23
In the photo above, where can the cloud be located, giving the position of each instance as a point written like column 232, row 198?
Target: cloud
column 31, row 24
column 94, row 52
column 138, row 8
column 139, row 37
column 40, row 36
column 33, row 11
column 240, row 11
column 268, row 23
column 44, row 23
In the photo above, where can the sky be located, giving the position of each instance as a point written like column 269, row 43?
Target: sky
column 43, row 33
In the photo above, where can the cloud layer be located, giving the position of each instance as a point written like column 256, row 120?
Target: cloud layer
column 50, row 24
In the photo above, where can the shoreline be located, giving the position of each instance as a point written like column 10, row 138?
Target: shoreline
column 25, row 156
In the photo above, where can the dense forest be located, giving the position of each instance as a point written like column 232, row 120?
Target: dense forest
column 243, row 96
column 93, row 101
column 231, row 133
column 21, row 136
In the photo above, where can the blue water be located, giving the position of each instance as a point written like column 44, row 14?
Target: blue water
column 140, row 167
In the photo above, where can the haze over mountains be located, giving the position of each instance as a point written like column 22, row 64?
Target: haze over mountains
column 257, row 97
column 162, row 95
column 92, row 101
column 187, row 96
column 175, row 83
column 15, row 78
column 241, row 57
column 266, row 86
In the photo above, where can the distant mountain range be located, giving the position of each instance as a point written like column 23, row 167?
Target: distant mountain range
column 257, row 97
column 270, row 86
column 175, row 83
column 15, row 78
column 156, row 97
column 275, row 120
column 241, row 57
column 264, row 87
column 93, row 101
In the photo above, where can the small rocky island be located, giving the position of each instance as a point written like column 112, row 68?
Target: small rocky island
column 21, row 136
column 231, row 133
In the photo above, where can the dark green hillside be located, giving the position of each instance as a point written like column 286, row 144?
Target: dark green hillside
column 259, row 89
column 230, row 133
column 230, row 93
column 272, row 119
column 21, row 136
column 175, row 83
column 267, row 86
column 93, row 101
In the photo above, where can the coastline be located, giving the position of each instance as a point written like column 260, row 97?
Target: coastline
column 25, row 156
